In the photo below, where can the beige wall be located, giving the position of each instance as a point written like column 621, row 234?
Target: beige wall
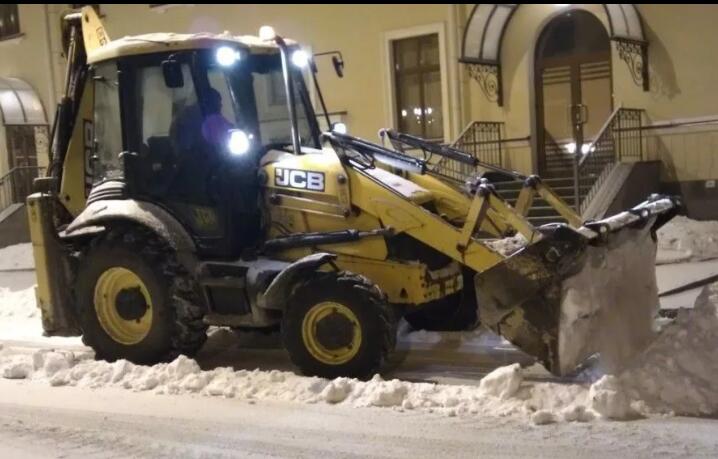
column 35, row 57
column 682, row 65
column 357, row 30
column 683, row 79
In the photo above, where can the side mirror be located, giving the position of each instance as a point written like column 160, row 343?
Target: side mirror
column 338, row 66
column 337, row 61
column 172, row 72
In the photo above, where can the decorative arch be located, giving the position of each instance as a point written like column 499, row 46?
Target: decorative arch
column 486, row 27
column 19, row 104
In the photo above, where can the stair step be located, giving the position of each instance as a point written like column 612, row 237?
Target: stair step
column 542, row 211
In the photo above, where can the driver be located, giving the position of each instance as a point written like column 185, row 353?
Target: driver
column 190, row 129
column 215, row 128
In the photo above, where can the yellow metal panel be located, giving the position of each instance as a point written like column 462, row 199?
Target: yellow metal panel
column 93, row 32
column 454, row 204
column 75, row 173
column 42, row 270
column 560, row 205
column 409, row 282
column 524, row 201
column 399, row 213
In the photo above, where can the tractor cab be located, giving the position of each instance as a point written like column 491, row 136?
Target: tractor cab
column 192, row 124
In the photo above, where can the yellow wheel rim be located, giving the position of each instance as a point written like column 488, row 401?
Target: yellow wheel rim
column 122, row 330
column 335, row 355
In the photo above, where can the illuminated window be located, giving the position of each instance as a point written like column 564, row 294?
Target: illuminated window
column 9, row 21
column 417, row 79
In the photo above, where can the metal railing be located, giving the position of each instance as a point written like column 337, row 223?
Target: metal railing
column 16, row 185
column 480, row 139
column 556, row 159
column 620, row 139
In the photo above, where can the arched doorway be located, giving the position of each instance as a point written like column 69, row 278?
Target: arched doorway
column 573, row 89
column 23, row 138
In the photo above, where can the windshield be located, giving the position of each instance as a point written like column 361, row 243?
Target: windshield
column 257, row 84
column 207, row 107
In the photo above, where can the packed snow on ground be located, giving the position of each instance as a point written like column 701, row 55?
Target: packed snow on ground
column 684, row 239
column 676, row 374
column 15, row 257
column 20, row 318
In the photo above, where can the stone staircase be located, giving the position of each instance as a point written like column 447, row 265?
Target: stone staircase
column 619, row 140
column 540, row 212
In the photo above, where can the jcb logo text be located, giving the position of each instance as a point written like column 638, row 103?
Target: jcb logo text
column 303, row 180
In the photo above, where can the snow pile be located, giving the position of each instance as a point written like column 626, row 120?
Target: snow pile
column 679, row 371
column 184, row 376
column 20, row 318
column 16, row 257
column 508, row 245
column 683, row 239
column 676, row 374
column 18, row 304
column 502, row 393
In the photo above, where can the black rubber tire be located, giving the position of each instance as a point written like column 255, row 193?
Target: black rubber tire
column 177, row 326
column 457, row 312
column 376, row 318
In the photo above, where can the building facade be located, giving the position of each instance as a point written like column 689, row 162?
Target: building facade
column 534, row 88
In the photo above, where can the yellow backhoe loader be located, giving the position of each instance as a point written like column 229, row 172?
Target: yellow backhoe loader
column 190, row 185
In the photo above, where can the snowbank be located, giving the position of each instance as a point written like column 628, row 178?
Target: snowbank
column 20, row 318
column 16, row 257
column 683, row 239
column 675, row 374
column 679, row 371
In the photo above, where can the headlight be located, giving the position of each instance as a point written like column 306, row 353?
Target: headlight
column 339, row 128
column 300, row 58
column 239, row 142
column 227, row 56
column 266, row 33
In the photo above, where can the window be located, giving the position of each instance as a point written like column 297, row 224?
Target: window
column 417, row 80
column 271, row 102
column 108, row 125
column 9, row 21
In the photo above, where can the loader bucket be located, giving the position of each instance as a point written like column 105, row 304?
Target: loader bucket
column 576, row 293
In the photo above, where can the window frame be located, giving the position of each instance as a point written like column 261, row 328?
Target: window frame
column 18, row 32
column 421, row 70
column 390, row 102
column 122, row 114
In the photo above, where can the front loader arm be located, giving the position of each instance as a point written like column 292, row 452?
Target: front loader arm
column 542, row 297
column 405, row 216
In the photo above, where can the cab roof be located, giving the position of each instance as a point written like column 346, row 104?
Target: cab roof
column 167, row 42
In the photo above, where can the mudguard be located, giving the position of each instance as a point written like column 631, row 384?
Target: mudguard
column 276, row 294
column 99, row 214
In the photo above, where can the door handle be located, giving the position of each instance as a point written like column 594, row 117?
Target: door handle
column 583, row 113
column 578, row 114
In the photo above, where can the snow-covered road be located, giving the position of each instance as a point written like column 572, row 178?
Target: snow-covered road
column 36, row 422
